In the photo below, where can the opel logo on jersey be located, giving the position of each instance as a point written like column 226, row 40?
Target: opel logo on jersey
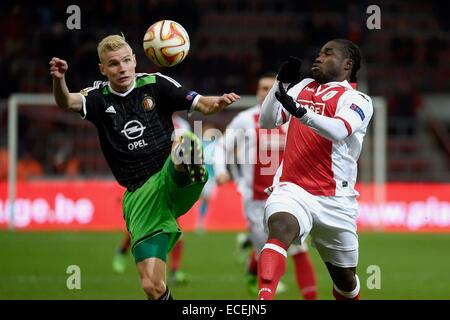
column 148, row 103
column 133, row 129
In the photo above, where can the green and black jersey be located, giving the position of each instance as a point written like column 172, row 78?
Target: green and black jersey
column 135, row 127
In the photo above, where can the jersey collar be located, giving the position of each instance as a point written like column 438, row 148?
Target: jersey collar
column 344, row 84
column 122, row 94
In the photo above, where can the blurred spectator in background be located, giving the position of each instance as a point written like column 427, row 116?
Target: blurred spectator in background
column 403, row 50
column 86, row 59
column 3, row 163
column 14, row 29
column 435, row 47
column 28, row 168
column 66, row 163
column 404, row 104
column 216, row 37
column 9, row 72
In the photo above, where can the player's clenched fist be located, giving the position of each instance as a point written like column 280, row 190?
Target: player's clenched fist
column 58, row 67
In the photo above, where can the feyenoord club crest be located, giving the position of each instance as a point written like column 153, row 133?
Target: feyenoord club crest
column 148, row 103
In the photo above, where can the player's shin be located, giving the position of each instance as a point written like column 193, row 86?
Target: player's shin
column 271, row 267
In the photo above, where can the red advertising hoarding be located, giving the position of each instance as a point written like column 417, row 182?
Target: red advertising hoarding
column 96, row 205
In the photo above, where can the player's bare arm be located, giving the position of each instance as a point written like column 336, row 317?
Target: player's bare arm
column 64, row 98
column 212, row 104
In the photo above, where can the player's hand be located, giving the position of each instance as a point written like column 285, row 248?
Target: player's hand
column 288, row 103
column 290, row 70
column 225, row 100
column 58, row 67
column 222, row 178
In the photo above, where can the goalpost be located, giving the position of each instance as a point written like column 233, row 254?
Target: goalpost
column 379, row 149
column 13, row 104
column 375, row 150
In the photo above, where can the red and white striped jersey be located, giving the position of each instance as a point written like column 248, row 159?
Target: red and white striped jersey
column 318, row 159
column 258, row 152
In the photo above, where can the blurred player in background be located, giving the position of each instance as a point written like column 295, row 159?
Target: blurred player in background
column 260, row 152
column 208, row 153
column 313, row 191
column 133, row 115
column 176, row 276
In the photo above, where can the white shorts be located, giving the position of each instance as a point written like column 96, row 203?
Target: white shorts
column 254, row 212
column 331, row 221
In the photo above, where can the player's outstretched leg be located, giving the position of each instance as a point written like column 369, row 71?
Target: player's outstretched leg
column 283, row 229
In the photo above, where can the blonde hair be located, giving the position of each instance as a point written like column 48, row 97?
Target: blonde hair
column 111, row 43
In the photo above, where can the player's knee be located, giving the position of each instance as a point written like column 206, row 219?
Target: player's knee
column 347, row 284
column 283, row 226
column 345, row 279
column 153, row 288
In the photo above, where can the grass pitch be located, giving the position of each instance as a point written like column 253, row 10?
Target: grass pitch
column 33, row 265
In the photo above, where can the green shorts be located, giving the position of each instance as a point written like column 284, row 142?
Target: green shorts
column 153, row 208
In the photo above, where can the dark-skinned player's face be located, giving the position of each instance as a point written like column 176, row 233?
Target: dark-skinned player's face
column 331, row 64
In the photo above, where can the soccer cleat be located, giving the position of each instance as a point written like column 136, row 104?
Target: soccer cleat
column 178, row 278
column 119, row 263
column 190, row 154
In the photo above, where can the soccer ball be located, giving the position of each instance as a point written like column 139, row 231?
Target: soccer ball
column 166, row 43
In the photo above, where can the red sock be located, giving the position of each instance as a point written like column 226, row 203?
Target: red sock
column 175, row 255
column 304, row 273
column 271, row 266
column 252, row 264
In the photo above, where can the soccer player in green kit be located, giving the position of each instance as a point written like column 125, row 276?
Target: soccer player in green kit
column 133, row 116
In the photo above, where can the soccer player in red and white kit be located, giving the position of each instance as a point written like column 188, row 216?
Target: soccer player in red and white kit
column 259, row 153
column 313, row 190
